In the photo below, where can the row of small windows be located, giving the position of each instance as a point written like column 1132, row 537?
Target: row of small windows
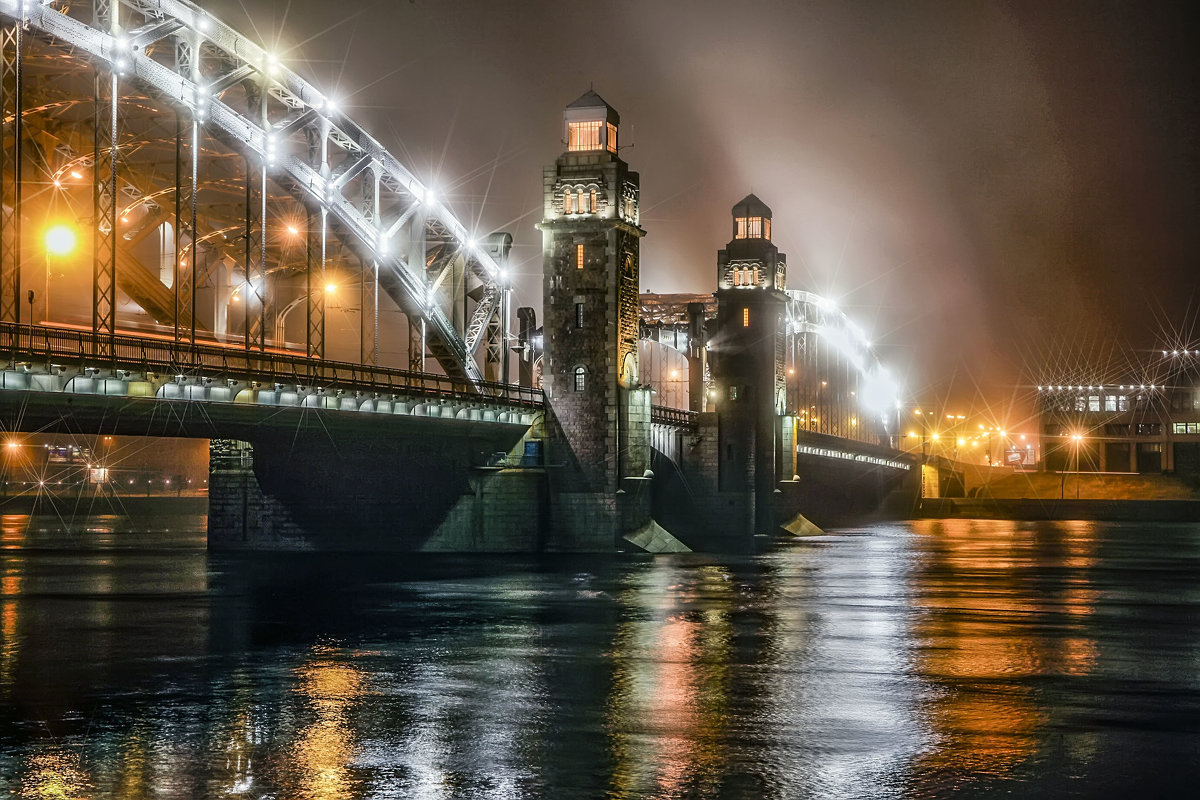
column 580, row 202
column 586, row 136
column 1094, row 402
column 1185, row 427
column 752, row 228
column 746, row 276
column 1115, row 429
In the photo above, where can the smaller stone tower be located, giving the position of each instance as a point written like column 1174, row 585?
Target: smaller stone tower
column 746, row 356
column 599, row 425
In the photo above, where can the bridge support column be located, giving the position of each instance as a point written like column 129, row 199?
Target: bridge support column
column 240, row 514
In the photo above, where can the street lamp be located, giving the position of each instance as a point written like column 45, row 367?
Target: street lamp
column 60, row 241
column 1076, row 439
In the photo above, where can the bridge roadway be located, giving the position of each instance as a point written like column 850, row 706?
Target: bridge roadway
column 341, row 455
column 62, row 360
column 325, row 454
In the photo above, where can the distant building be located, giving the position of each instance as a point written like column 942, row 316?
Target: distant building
column 1150, row 424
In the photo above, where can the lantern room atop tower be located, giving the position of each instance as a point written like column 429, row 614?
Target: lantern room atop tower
column 589, row 123
column 589, row 181
column 751, row 219
column 751, row 260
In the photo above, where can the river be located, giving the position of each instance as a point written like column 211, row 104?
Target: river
column 950, row 658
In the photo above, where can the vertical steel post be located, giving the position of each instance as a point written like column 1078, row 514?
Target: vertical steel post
column 416, row 263
column 256, row 240
column 175, row 224
column 375, row 261
column 104, row 197
column 318, row 153
column 183, row 59
column 252, row 266
column 10, row 176
column 194, row 255
column 315, row 286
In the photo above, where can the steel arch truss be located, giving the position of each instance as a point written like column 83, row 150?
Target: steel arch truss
column 229, row 93
column 833, row 372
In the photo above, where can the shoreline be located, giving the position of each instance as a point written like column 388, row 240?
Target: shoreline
column 1036, row 509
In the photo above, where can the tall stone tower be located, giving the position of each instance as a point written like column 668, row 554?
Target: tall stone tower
column 746, row 356
column 598, row 425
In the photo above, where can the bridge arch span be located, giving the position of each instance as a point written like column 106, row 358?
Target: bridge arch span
column 255, row 154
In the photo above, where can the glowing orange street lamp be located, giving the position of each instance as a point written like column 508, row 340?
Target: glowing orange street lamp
column 60, row 241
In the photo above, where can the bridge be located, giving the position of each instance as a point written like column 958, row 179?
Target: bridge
column 183, row 216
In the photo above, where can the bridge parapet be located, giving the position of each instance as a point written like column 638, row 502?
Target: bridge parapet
column 51, row 359
column 676, row 417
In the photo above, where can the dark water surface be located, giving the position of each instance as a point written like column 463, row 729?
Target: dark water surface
column 931, row 659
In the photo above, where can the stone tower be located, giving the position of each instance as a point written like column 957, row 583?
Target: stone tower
column 598, row 425
column 746, row 352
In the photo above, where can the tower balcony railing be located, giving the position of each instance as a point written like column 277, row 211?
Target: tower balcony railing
column 49, row 345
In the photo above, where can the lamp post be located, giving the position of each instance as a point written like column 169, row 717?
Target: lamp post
column 1076, row 438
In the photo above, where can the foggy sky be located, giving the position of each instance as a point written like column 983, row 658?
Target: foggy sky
column 988, row 188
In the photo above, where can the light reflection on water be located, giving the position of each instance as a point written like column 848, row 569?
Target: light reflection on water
column 931, row 659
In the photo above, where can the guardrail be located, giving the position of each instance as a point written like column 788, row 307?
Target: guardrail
column 52, row 345
column 662, row 415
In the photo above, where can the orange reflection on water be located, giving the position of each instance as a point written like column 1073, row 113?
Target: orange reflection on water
column 10, row 590
column 55, row 775
column 325, row 748
column 12, row 530
column 987, row 631
column 669, row 706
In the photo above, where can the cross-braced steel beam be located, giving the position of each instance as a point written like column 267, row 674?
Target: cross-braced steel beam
column 10, row 173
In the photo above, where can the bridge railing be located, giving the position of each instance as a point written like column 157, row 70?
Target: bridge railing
column 65, row 346
column 662, row 415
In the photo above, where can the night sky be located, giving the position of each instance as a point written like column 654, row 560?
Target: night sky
column 996, row 191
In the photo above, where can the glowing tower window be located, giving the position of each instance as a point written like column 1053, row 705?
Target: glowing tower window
column 584, row 135
column 612, row 138
column 752, row 228
column 579, row 256
column 746, row 317
column 580, row 379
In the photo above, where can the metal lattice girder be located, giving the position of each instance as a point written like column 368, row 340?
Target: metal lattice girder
column 306, row 109
column 315, row 273
column 255, row 285
column 494, row 354
column 484, row 312
column 104, row 181
column 10, row 173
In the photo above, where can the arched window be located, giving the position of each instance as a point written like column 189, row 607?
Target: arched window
column 579, row 201
column 755, row 281
column 580, row 379
column 568, row 202
column 594, row 204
